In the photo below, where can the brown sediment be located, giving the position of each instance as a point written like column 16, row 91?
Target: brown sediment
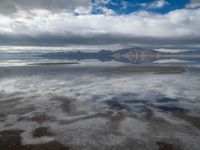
column 194, row 120
column 41, row 131
column 132, row 144
column 154, row 69
column 2, row 116
column 40, row 118
column 11, row 140
column 156, row 120
column 167, row 146
column 8, row 107
column 25, row 110
column 11, row 99
column 8, row 102
column 115, row 119
column 10, row 95
column 66, row 103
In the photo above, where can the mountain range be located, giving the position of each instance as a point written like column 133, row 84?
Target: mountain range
column 134, row 55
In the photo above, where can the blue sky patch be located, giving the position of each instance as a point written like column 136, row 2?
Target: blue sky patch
column 130, row 6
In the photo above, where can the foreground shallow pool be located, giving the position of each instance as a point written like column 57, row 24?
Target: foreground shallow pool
column 112, row 106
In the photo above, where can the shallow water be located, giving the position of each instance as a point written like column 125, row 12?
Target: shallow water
column 89, row 105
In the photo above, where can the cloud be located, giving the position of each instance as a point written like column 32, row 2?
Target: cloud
column 193, row 4
column 83, row 10
column 100, row 7
column 12, row 6
column 43, row 26
column 103, row 1
column 105, row 10
column 154, row 5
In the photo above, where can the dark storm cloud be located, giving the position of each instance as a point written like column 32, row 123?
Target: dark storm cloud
column 100, row 39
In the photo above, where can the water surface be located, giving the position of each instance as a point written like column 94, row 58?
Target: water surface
column 93, row 104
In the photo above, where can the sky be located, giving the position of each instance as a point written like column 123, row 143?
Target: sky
column 150, row 23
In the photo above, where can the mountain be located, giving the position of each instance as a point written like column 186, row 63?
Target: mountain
column 130, row 55
column 136, row 55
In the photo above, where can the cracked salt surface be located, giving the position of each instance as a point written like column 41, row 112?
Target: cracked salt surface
column 84, row 108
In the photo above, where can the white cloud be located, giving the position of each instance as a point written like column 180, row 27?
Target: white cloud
column 35, row 22
column 108, row 11
column 82, row 10
column 100, row 6
column 171, row 50
column 65, row 26
column 154, row 5
column 102, row 1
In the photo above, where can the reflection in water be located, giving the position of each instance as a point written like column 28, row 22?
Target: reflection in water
column 86, row 106
column 134, row 55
